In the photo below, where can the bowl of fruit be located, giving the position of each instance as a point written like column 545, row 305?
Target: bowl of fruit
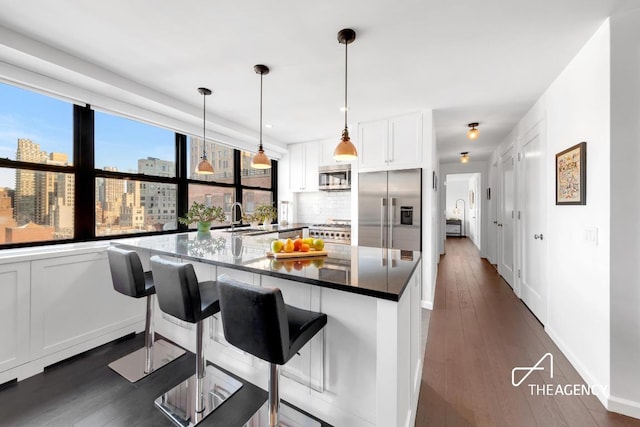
column 297, row 248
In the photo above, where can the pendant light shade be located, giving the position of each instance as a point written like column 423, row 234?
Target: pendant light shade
column 464, row 157
column 345, row 150
column 473, row 133
column 260, row 160
column 204, row 167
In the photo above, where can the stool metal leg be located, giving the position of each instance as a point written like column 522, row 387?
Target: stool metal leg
column 273, row 414
column 149, row 336
column 274, row 395
column 153, row 356
column 191, row 401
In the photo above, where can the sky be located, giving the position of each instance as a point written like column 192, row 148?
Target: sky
column 48, row 121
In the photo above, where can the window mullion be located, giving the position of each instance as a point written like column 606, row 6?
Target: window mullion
column 83, row 159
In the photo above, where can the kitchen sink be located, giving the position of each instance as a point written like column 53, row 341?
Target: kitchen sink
column 243, row 230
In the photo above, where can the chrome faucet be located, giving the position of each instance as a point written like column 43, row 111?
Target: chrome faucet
column 234, row 220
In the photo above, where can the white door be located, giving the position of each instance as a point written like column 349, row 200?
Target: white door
column 506, row 246
column 533, row 222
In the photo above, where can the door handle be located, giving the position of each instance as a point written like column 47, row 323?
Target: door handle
column 538, row 236
column 383, row 204
column 392, row 206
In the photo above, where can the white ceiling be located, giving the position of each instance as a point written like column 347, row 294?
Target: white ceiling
column 468, row 60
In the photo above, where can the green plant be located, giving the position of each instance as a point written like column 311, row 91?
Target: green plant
column 198, row 212
column 267, row 212
column 250, row 218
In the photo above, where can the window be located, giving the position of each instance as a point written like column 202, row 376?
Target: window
column 150, row 150
column 220, row 157
column 128, row 206
column 253, row 177
column 52, row 190
column 36, row 173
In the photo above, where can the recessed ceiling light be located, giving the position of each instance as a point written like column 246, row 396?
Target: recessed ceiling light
column 343, row 109
column 268, row 125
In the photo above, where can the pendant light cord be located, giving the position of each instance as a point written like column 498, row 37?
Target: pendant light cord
column 260, row 148
column 346, row 64
column 204, row 126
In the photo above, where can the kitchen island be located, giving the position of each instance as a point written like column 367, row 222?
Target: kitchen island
column 364, row 369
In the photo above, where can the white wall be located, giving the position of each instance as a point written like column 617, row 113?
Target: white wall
column 455, row 191
column 625, row 204
column 575, row 108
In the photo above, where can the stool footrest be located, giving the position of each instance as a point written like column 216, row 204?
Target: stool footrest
column 179, row 403
column 132, row 366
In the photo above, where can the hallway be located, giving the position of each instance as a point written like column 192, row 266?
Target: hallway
column 478, row 332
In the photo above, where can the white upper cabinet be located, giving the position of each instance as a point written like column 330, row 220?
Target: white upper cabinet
column 394, row 143
column 303, row 167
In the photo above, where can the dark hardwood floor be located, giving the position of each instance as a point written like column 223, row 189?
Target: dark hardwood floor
column 479, row 331
column 83, row 391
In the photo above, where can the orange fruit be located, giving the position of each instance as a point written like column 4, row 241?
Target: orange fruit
column 304, row 247
column 296, row 244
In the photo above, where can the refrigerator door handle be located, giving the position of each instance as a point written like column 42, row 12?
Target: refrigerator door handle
column 383, row 205
column 392, row 208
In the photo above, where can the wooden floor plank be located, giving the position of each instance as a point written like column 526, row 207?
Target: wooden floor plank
column 478, row 332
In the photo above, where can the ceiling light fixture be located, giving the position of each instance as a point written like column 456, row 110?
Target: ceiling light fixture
column 260, row 160
column 464, row 157
column 473, row 133
column 204, row 167
column 345, row 150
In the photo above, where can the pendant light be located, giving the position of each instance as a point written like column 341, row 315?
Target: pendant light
column 464, row 157
column 204, row 167
column 260, row 160
column 345, row 150
column 473, row 133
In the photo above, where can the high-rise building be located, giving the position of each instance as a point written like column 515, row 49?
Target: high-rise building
column 158, row 200
column 112, row 198
column 132, row 212
column 27, row 181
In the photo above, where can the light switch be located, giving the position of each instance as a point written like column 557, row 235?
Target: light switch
column 591, row 235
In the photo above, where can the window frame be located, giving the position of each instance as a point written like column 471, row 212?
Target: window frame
column 85, row 174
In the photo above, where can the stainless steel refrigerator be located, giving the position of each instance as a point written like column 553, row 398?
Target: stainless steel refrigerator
column 389, row 214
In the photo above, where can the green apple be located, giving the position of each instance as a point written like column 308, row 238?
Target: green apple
column 276, row 246
column 318, row 244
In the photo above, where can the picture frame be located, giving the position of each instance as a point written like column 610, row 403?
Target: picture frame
column 488, row 193
column 571, row 175
column 434, row 181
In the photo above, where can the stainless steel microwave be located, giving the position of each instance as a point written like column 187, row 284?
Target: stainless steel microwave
column 334, row 177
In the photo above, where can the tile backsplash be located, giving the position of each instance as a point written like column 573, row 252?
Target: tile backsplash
column 320, row 206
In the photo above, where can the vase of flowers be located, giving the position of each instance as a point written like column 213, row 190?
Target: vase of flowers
column 203, row 216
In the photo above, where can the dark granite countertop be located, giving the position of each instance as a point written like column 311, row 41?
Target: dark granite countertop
column 375, row 272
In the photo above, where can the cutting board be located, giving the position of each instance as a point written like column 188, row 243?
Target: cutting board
column 285, row 255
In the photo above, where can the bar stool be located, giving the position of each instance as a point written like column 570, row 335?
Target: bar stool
column 131, row 280
column 258, row 321
column 181, row 296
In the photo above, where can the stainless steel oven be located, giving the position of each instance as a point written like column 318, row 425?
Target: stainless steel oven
column 334, row 177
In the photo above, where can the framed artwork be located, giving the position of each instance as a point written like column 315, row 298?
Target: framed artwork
column 472, row 199
column 488, row 193
column 571, row 175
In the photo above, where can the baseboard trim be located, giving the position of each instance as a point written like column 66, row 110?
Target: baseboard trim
column 624, row 406
column 426, row 304
column 602, row 396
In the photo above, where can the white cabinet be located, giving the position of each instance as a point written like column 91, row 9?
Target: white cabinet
column 394, row 143
column 303, row 167
column 14, row 315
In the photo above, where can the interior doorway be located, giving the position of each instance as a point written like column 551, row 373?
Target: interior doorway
column 463, row 207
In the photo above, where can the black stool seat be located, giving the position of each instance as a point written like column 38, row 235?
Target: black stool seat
column 127, row 274
column 182, row 296
column 130, row 279
column 257, row 320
